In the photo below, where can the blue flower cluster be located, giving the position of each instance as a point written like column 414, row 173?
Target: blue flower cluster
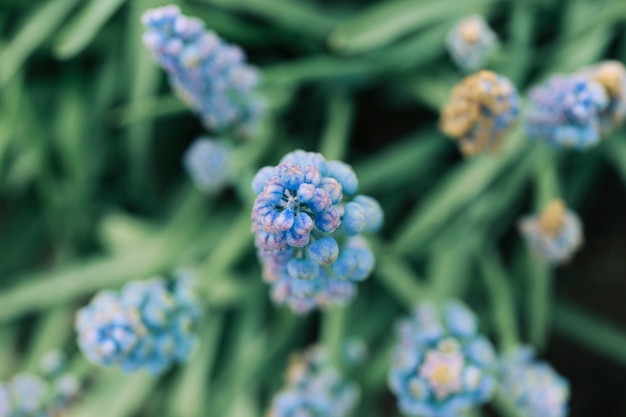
column 298, row 216
column 555, row 234
column 208, row 74
column 533, row 386
column 28, row 395
column 441, row 366
column 149, row 324
column 565, row 111
column 314, row 389
column 480, row 112
column 470, row 42
column 207, row 163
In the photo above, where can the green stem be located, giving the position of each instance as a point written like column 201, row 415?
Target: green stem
column 337, row 132
column 546, row 178
column 333, row 329
column 539, row 277
column 502, row 303
column 189, row 397
column 53, row 332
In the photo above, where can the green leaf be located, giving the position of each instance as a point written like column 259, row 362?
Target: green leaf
column 79, row 33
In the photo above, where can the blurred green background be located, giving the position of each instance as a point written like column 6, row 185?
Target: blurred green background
column 93, row 194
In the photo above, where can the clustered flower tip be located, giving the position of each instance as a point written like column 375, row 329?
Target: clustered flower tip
column 30, row 395
column 208, row 74
column 470, row 43
column 555, row 234
column 307, row 238
column 442, row 367
column 480, row 112
column 147, row 325
column 314, row 388
column 207, row 162
column 564, row 112
column 534, row 387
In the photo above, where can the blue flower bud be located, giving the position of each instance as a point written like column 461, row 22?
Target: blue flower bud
column 207, row 163
column 320, row 201
column 353, row 220
column 324, row 251
column 374, row 217
column 302, row 268
column 343, row 173
column 261, row 177
column 328, row 221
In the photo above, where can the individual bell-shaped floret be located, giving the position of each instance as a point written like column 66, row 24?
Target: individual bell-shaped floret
column 208, row 163
column 565, row 112
column 533, row 386
column 149, row 324
column 471, row 42
column 307, row 232
column 442, row 367
column 555, row 234
column 313, row 387
column 480, row 112
column 208, row 74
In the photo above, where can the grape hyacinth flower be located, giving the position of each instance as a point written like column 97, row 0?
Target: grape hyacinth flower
column 207, row 163
column 555, row 234
column 149, row 325
column 31, row 395
column 442, row 367
column 533, row 386
column 480, row 112
column 299, row 220
column 314, row 388
column 471, row 42
column 611, row 75
column 208, row 74
column 565, row 112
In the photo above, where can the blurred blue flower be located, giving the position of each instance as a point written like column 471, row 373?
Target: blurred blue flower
column 480, row 112
column 533, row 386
column 28, row 395
column 313, row 388
column 442, row 367
column 555, row 234
column 307, row 236
column 207, row 162
column 565, row 112
column 208, row 74
column 470, row 42
column 149, row 324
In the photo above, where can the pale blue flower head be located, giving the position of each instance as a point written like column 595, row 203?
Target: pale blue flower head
column 442, row 367
column 470, row 43
column 28, row 395
column 307, row 232
column 535, row 388
column 565, row 112
column 555, row 234
column 208, row 163
column 208, row 74
column 313, row 388
column 149, row 325
column 481, row 111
